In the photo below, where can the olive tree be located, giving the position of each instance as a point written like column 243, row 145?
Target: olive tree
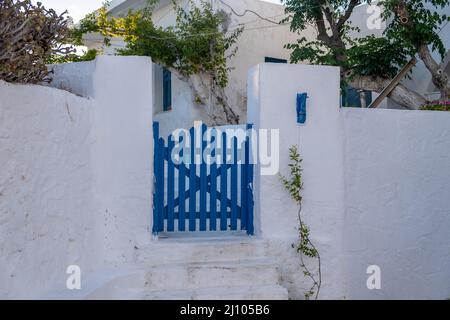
column 370, row 63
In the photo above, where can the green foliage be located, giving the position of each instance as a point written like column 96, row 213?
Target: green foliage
column 196, row 44
column 369, row 56
column 294, row 184
column 416, row 23
column 437, row 106
column 373, row 56
column 304, row 247
column 90, row 23
column 86, row 56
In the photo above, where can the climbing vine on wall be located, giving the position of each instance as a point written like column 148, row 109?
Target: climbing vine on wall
column 196, row 49
column 304, row 247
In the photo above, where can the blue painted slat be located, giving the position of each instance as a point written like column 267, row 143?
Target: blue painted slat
column 203, row 183
column 234, row 184
column 213, row 190
column 155, row 169
column 160, row 184
column 192, row 184
column 223, row 185
column 170, row 186
column 181, row 191
column 250, row 227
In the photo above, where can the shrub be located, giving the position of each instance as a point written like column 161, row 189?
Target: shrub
column 438, row 105
column 29, row 36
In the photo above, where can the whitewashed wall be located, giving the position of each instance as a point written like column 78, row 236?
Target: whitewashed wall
column 46, row 201
column 376, row 185
column 397, row 205
column 76, row 174
column 272, row 105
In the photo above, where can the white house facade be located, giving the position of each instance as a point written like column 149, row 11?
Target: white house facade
column 262, row 40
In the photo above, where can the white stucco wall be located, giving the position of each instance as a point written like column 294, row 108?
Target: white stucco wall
column 76, row 174
column 46, row 201
column 122, row 156
column 397, row 174
column 375, row 188
column 272, row 105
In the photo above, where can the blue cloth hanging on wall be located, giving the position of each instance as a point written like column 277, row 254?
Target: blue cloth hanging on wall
column 301, row 107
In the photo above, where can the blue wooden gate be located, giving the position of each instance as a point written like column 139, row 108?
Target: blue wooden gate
column 194, row 195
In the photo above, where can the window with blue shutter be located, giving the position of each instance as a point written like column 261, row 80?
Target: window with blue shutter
column 167, row 90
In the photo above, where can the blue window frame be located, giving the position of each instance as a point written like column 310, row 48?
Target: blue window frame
column 167, row 90
column 275, row 60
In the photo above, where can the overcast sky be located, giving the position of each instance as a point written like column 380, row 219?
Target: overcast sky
column 78, row 8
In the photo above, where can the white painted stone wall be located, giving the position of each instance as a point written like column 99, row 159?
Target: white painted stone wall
column 397, row 168
column 76, row 173
column 122, row 158
column 375, row 187
column 272, row 105
column 46, row 217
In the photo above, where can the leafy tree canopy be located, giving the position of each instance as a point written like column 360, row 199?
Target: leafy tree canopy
column 412, row 27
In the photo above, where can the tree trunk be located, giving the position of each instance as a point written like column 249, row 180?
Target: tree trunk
column 210, row 97
column 439, row 78
column 401, row 94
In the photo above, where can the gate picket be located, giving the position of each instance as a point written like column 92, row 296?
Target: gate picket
column 203, row 183
column 181, row 191
column 234, row 184
column 212, row 191
column 170, row 186
column 223, row 185
column 192, row 184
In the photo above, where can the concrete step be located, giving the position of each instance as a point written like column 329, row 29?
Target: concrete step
column 211, row 274
column 168, row 251
column 266, row 292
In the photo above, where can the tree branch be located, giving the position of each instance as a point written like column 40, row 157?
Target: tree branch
column 438, row 76
column 401, row 94
column 344, row 18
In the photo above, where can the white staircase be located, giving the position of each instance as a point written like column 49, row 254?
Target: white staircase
column 200, row 269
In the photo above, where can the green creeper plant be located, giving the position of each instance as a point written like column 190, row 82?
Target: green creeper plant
column 196, row 49
column 72, row 57
column 306, row 249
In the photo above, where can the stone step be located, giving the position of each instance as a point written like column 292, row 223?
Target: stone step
column 263, row 292
column 211, row 274
column 168, row 251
